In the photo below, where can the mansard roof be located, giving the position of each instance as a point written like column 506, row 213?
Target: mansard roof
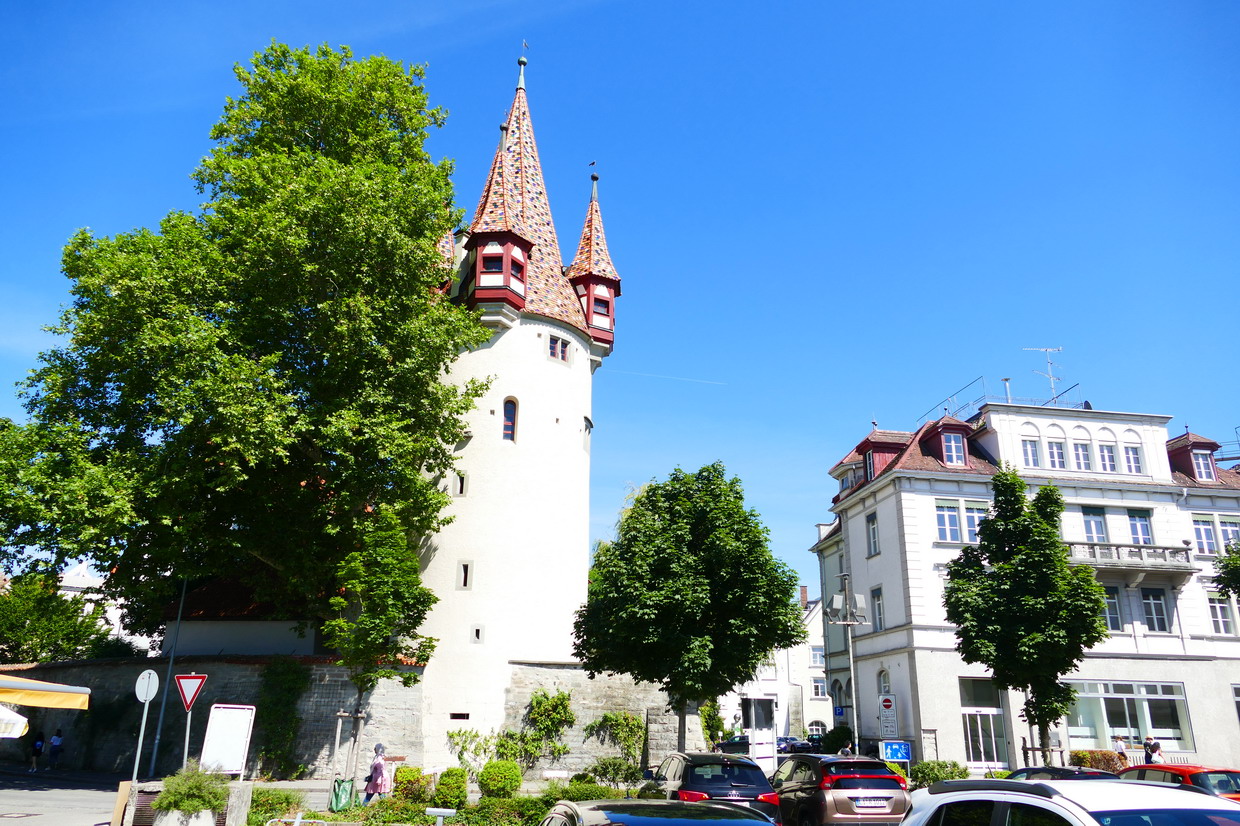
column 592, row 257
column 514, row 200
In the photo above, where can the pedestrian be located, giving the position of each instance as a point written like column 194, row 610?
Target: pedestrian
column 36, row 751
column 1148, row 748
column 847, row 750
column 1121, row 749
column 378, row 782
column 1156, row 755
column 57, row 743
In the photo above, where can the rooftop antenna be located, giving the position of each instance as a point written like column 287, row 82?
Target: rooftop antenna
column 1050, row 374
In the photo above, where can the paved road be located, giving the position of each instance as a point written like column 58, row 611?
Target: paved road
column 52, row 799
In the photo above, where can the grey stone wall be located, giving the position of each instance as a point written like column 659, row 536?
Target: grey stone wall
column 105, row 737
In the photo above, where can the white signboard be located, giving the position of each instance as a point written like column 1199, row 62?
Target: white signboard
column 146, row 686
column 887, row 722
column 227, row 744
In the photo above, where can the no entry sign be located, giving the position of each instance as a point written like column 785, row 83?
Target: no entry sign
column 189, row 686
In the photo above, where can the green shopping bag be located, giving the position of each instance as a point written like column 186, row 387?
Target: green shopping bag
column 343, row 796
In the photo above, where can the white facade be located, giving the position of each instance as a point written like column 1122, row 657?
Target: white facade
column 511, row 569
column 1138, row 511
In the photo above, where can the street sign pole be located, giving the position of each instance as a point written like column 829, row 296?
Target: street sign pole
column 145, row 688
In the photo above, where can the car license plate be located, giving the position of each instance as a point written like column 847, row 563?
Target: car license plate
column 870, row 802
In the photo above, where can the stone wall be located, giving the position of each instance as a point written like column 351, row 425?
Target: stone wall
column 104, row 737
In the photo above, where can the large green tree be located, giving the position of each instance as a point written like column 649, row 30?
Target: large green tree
column 39, row 625
column 1020, row 607
column 688, row 595
column 1227, row 570
column 258, row 390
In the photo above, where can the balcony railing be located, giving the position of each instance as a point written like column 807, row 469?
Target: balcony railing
column 1133, row 556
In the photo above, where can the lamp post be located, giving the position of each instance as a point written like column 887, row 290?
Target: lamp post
column 848, row 609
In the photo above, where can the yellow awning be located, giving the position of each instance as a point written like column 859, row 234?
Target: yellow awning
column 23, row 692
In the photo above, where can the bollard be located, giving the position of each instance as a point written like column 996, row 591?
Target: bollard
column 440, row 814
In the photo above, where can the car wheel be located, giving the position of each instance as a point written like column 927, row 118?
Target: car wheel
column 806, row 820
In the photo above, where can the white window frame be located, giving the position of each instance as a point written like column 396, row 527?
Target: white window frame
column 1032, row 452
column 1132, row 459
column 1222, row 617
column 817, row 655
column 953, row 449
column 1103, row 710
column 1203, row 466
column 877, row 620
column 1140, row 527
column 1204, row 536
column 1106, row 459
column 872, row 547
column 974, row 513
column 819, row 688
column 1155, row 610
column 947, row 519
column 1229, row 531
column 1056, row 456
column 884, row 681
column 1082, row 456
column 1112, row 612
column 1098, row 518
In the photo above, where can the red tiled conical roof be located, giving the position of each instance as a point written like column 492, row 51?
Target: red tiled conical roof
column 515, row 200
column 592, row 257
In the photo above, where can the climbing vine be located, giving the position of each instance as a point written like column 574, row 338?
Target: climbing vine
column 284, row 680
column 622, row 729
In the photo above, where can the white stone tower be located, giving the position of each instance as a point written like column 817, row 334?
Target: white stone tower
column 511, row 569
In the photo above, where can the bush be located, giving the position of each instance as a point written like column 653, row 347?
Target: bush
column 393, row 810
column 836, row 739
column 410, row 784
column 499, row 778
column 617, row 772
column 1104, row 759
column 269, row 804
column 193, row 790
column 997, row 774
column 579, row 791
column 452, row 790
column 516, row 811
column 581, row 777
column 898, row 769
column 928, row 772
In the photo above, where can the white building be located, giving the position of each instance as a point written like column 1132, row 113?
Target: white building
column 1148, row 514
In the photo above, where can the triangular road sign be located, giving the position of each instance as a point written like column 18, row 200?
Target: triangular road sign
column 189, row 686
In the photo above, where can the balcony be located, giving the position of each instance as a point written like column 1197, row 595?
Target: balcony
column 1136, row 559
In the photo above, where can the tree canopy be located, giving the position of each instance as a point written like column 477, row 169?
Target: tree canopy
column 39, row 625
column 1227, row 570
column 688, row 595
column 1020, row 607
column 258, row 390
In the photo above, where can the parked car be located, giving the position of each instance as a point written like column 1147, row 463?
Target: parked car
column 1065, row 803
column 650, row 813
column 693, row 776
column 818, row 789
column 1217, row 781
column 792, row 745
column 1060, row 773
column 736, row 744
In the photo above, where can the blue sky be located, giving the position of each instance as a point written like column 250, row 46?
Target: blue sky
column 824, row 213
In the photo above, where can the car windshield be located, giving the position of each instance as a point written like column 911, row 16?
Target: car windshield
column 1169, row 817
column 1219, row 782
column 866, row 783
column 727, row 774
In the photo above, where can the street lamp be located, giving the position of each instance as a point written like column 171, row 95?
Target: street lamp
column 848, row 609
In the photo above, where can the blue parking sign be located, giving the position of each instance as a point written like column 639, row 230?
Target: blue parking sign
column 897, row 751
column 839, row 711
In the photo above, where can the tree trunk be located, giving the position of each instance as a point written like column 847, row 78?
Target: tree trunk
column 1044, row 741
column 356, row 740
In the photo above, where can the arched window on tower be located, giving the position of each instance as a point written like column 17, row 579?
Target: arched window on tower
column 884, row 681
column 510, row 420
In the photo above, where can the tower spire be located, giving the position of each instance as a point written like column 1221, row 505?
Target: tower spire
column 593, row 275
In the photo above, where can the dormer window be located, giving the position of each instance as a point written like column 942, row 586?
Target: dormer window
column 492, row 263
column 602, row 306
column 953, row 449
column 1203, row 466
column 869, row 465
column 517, row 269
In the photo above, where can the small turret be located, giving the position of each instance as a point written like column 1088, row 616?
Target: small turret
column 594, row 277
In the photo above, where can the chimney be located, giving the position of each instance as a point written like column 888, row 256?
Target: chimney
column 804, row 596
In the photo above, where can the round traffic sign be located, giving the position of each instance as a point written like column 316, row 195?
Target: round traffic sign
column 888, row 702
column 147, row 685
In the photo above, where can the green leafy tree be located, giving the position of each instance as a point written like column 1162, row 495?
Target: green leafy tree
column 688, row 596
column 1020, row 607
column 1227, row 570
column 38, row 625
column 258, row 391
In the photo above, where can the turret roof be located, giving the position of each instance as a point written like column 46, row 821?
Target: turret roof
column 592, row 257
column 515, row 200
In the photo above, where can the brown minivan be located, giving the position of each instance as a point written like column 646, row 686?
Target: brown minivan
column 818, row 789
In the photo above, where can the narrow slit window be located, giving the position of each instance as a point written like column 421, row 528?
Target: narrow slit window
column 465, row 574
column 510, row 420
column 476, row 634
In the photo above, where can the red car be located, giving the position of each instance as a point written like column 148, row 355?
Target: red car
column 1217, row 781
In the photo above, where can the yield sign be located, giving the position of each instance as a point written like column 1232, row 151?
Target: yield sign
column 189, row 686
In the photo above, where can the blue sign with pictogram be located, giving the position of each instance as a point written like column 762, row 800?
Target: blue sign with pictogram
column 897, row 751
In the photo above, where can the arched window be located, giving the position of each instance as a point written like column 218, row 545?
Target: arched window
column 510, row 419
column 884, row 681
column 818, row 727
column 837, row 692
